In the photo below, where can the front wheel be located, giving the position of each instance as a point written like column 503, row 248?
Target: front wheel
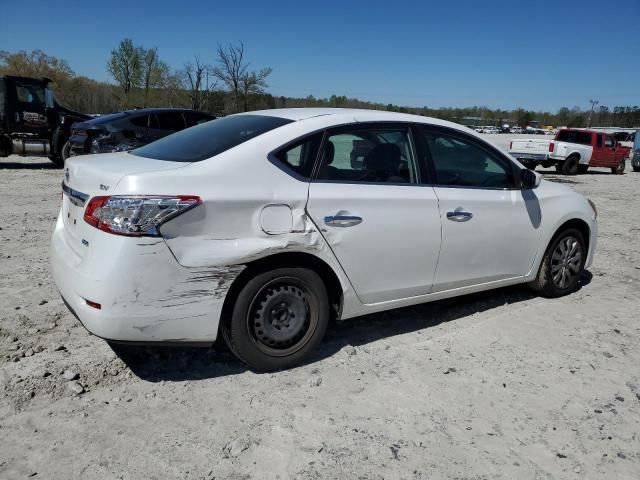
column 279, row 316
column 562, row 264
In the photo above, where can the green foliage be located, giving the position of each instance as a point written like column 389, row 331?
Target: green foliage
column 145, row 80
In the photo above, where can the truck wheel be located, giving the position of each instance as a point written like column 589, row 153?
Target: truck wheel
column 279, row 316
column 636, row 169
column 582, row 169
column 570, row 165
column 619, row 170
column 562, row 264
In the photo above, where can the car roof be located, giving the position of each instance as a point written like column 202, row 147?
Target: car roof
column 350, row 115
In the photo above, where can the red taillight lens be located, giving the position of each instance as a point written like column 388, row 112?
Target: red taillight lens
column 136, row 216
column 95, row 305
column 551, row 147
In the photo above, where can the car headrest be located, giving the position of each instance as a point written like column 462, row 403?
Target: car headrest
column 329, row 152
column 384, row 157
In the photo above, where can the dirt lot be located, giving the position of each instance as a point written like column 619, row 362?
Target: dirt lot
column 496, row 385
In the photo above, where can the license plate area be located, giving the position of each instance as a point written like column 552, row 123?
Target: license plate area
column 73, row 208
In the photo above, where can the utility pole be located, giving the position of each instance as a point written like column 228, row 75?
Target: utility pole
column 593, row 105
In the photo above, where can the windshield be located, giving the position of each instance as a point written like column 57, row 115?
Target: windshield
column 209, row 139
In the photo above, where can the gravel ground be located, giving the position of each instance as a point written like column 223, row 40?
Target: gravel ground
column 501, row 384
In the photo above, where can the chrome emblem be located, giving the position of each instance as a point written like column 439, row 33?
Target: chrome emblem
column 66, row 174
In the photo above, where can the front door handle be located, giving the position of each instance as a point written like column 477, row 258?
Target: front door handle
column 459, row 215
column 340, row 220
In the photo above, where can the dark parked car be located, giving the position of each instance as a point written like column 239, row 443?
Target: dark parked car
column 127, row 130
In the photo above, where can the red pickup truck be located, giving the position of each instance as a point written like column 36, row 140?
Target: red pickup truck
column 575, row 150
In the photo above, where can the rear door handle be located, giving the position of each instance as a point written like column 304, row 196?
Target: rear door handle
column 459, row 215
column 342, row 220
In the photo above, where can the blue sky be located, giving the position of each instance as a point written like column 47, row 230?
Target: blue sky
column 538, row 54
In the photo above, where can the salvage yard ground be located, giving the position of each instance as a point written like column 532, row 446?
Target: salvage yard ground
column 501, row 384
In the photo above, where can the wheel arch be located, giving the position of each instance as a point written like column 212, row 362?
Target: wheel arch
column 578, row 224
column 287, row 259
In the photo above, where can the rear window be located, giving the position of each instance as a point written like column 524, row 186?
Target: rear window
column 209, row 139
column 574, row 136
column 108, row 118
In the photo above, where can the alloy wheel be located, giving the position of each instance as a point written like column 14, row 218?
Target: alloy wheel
column 566, row 261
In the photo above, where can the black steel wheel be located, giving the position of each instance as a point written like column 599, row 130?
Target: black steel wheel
column 279, row 316
column 619, row 170
column 562, row 264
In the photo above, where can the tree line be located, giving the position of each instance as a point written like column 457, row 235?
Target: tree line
column 227, row 84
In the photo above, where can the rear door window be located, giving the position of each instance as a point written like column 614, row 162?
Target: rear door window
column 141, row 121
column 195, row 118
column 170, row 121
column 210, row 138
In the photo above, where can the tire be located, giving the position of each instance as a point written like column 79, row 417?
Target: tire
column 558, row 168
column 619, row 170
column 636, row 169
column 66, row 151
column 552, row 281
column 279, row 316
column 582, row 169
column 570, row 165
column 529, row 165
column 58, row 160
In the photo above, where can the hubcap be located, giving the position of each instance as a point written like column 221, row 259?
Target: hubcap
column 282, row 317
column 566, row 261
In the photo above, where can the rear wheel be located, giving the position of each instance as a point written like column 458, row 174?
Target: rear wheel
column 583, row 168
column 66, row 151
column 570, row 165
column 278, row 318
column 636, row 169
column 562, row 264
column 619, row 170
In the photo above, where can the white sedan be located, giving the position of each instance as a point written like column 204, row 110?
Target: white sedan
column 264, row 227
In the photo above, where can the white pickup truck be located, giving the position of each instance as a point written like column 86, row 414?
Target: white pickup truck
column 531, row 152
column 572, row 151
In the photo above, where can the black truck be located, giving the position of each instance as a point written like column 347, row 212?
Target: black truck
column 32, row 122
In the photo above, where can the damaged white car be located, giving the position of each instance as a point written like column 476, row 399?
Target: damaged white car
column 263, row 227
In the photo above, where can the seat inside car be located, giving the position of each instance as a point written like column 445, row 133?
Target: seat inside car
column 383, row 164
column 328, row 171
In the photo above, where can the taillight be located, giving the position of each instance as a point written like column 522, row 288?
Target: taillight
column 136, row 216
column 551, row 147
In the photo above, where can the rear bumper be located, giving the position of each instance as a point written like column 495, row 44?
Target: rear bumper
column 144, row 294
column 530, row 157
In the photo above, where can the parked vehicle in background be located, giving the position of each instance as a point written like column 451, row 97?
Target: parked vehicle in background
column 531, row 152
column 635, row 153
column 575, row 150
column 131, row 129
column 516, row 130
column 32, row 122
column 262, row 227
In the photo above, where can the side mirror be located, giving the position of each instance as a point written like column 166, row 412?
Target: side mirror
column 528, row 179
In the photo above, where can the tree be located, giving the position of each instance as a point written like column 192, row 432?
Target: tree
column 198, row 80
column 253, row 83
column 154, row 71
column 231, row 69
column 125, row 65
column 35, row 64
